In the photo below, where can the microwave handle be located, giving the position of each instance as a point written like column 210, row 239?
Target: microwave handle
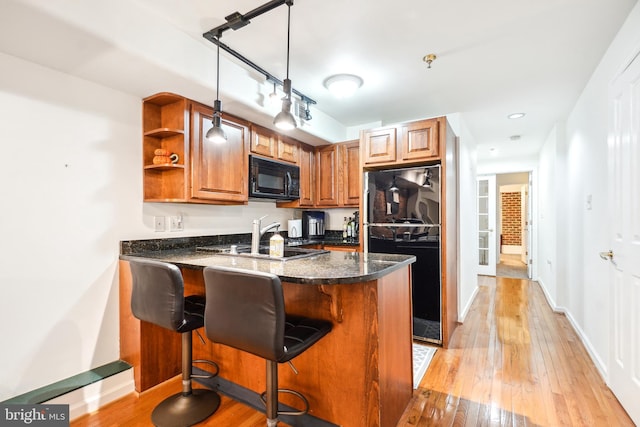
column 289, row 184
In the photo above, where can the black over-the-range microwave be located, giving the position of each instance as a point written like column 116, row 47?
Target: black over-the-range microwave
column 269, row 179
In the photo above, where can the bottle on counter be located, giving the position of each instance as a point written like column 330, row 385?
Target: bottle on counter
column 356, row 226
column 276, row 245
column 344, row 229
column 349, row 229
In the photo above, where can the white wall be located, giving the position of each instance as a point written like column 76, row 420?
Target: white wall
column 467, row 215
column 581, row 153
column 546, row 217
column 71, row 190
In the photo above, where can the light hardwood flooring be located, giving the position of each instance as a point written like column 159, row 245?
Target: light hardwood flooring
column 512, row 363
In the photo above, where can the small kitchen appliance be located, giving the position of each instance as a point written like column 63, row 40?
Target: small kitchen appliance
column 313, row 223
column 294, row 228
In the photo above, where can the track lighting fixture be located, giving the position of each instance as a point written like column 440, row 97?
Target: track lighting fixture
column 284, row 120
column 238, row 20
column 216, row 134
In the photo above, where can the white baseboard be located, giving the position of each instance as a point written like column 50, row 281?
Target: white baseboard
column 597, row 361
column 512, row 250
column 600, row 366
column 463, row 314
column 91, row 397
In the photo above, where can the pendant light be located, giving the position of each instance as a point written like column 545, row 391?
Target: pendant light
column 284, row 120
column 216, row 134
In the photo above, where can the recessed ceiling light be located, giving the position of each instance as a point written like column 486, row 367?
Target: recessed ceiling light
column 516, row 115
column 343, row 85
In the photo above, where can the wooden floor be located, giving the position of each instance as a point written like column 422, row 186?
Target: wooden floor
column 512, row 363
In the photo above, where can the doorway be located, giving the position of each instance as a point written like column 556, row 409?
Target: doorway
column 506, row 208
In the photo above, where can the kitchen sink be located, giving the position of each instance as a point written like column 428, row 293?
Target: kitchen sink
column 263, row 252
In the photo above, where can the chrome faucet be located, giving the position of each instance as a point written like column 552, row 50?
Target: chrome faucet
column 257, row 233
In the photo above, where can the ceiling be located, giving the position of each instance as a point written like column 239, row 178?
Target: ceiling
column 494, row 57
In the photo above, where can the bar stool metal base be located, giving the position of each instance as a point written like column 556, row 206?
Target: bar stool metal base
column 180, row 410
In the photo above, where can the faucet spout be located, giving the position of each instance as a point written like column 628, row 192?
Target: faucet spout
column 269, row 227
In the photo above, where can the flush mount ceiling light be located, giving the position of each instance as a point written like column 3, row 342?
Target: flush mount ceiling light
column 216, row 134
column 284, row 120
column 516, row 115
column 343, row 85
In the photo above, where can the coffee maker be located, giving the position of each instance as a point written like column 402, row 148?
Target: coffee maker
column 313, row 224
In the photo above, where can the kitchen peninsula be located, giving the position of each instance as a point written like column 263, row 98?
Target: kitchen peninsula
column 358, row 375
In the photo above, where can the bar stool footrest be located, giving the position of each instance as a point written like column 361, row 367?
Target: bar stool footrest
column 208, row 375
column 299, row 395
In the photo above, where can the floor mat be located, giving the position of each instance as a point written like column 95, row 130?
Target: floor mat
column 422, row 355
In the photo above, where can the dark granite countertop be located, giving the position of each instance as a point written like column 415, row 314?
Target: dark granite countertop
column 326, row 268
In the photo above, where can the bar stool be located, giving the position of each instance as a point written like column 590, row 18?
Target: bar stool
column 157, row 297
column 245, row 310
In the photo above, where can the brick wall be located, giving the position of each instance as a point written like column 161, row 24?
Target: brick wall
column 511, row 220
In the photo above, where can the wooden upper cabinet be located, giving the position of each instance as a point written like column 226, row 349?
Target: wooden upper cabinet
column 219, row 171
column 306, row 162
column 349, row 174
column 263, row 141
column 307, row 175
column 420, row 140
column 326, row 176
column 287, row 149
column 379, row 146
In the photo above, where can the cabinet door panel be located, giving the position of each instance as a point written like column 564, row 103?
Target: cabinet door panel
column 219, row 171
column 287, row 150
column 307, row 174
column 420, row 140
column 263, row 141
column 380, row 146
column 350, row 174
column 327, row 187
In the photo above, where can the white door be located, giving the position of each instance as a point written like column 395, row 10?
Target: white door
column 624, row 220
column 525, row 233
column 523, row 224
column 487, row 225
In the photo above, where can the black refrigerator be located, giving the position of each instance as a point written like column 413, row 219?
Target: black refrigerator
column 402, row 216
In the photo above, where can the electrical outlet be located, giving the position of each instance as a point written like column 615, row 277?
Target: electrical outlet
column 159, row 223
column 175, row 223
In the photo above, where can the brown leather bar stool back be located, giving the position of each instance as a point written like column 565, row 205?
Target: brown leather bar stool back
column 245, row 310
column 157, row 297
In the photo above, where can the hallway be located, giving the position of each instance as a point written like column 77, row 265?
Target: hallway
column 513, row 363
column 511, row 265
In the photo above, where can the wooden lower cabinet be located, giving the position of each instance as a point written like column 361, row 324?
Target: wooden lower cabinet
column 219, row 171
column 360, row 374
column 340, row 248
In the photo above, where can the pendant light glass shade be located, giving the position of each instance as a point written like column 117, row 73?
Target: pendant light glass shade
column 216, row 134
column 284, row 120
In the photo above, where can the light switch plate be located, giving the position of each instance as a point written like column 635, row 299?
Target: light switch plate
column 159, row 223
column 175, row 223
